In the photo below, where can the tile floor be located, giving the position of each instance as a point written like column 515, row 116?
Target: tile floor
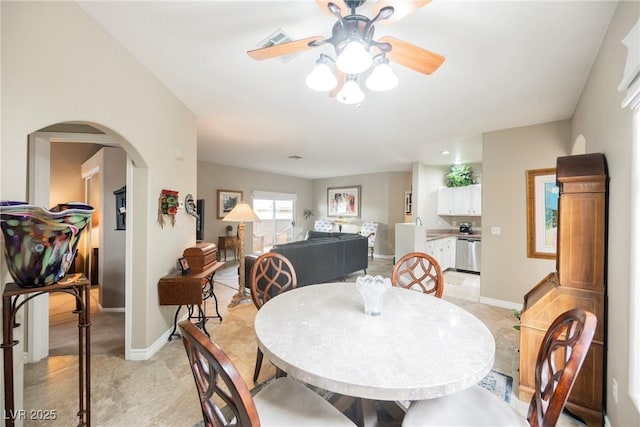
column 160, row 391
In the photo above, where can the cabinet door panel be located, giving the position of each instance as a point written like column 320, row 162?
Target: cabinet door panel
column 444, row 200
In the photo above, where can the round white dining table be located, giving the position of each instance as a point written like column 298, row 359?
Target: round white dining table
column 420, row 347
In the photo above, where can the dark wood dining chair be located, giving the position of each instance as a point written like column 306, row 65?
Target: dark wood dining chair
column 282, row 402
column 420, row 272
column 271, row 275
column 563, row 350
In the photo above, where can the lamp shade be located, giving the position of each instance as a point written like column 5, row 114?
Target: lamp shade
column 350, row 92
column 321, row 79
column 354, row 59
column 382, row 78
column 242, row 212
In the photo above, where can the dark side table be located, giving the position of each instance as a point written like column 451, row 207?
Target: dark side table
column 229, row 242
column 79, row 287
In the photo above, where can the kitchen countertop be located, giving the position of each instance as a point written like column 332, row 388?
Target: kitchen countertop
column 440, row 234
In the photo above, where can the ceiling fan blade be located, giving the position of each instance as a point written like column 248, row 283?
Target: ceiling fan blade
column 341, row 77
column 282, row 49
column 411, row 56
column 402, row 8
column 324, row 5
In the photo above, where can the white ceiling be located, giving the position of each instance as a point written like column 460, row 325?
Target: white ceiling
column 508, row 64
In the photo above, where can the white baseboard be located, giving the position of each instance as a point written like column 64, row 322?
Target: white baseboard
column 375, row 255
column 607, row 423
column 147, row 353
column 501, row 303
column 112, row 310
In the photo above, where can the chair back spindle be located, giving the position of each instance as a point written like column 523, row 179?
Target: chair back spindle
column 419, row 271
column 560, row 358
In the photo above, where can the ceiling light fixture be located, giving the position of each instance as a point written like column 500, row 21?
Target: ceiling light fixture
column 352, row 38
column 359, row 59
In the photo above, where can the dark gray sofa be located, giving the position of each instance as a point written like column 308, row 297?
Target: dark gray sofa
column 323, row 257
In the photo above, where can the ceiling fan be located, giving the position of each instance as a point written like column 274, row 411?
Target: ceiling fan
column 352, row 37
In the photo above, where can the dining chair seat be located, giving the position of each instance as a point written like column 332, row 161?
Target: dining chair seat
column 560, row 357
column 303, row 406
column 282, row 402
column 474, row 406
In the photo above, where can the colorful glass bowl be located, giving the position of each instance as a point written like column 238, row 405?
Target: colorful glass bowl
column 40, row 244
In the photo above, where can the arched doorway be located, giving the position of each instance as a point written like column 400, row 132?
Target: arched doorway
column 37, row 332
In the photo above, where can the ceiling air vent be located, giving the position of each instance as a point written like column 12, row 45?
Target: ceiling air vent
column 278, row 37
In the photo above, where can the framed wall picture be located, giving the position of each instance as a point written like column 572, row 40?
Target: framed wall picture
column 343, row 201
column 542, row 213
column 407, row 203
column 184, row 265
column 227, row 200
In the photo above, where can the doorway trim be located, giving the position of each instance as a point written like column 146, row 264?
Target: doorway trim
column 39, row 155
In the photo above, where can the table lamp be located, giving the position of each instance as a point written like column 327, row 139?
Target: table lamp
column 340, row 221
column 241, row 213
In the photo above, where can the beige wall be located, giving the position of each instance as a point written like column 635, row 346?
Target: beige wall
column 58, row 65
column 213, row 177
column 66, row 184
column 607, row 128
column 507, row 273
column 109, row 170
column 382, row 201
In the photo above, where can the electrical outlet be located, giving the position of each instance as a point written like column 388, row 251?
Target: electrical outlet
column 614, row 390
column 496, row 231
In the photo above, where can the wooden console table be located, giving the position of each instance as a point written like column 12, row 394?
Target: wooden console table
column 229, row 242
column 73, row 284
column 191, row 289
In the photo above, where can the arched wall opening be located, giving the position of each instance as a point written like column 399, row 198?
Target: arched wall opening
column 39, row 154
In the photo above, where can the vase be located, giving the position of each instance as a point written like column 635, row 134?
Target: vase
column 39, row 244
column 373, row 291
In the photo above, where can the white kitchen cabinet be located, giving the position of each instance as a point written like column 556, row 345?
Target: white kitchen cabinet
column 451, row 252
column 443, row 250
column 413, row 238
column 460, row 201
column 445, row 200
column 476, row 199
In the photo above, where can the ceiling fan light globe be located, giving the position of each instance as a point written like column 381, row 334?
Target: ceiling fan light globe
column 350, row 93
column 354, row 59
column 382, row 78
column 321, row 78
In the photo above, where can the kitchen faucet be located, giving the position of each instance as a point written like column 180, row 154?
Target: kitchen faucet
column 418, row 221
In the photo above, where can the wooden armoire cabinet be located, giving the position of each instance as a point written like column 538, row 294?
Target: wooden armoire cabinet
column 579, row 282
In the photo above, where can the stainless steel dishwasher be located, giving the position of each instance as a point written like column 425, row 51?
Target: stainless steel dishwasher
column 468, row 254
